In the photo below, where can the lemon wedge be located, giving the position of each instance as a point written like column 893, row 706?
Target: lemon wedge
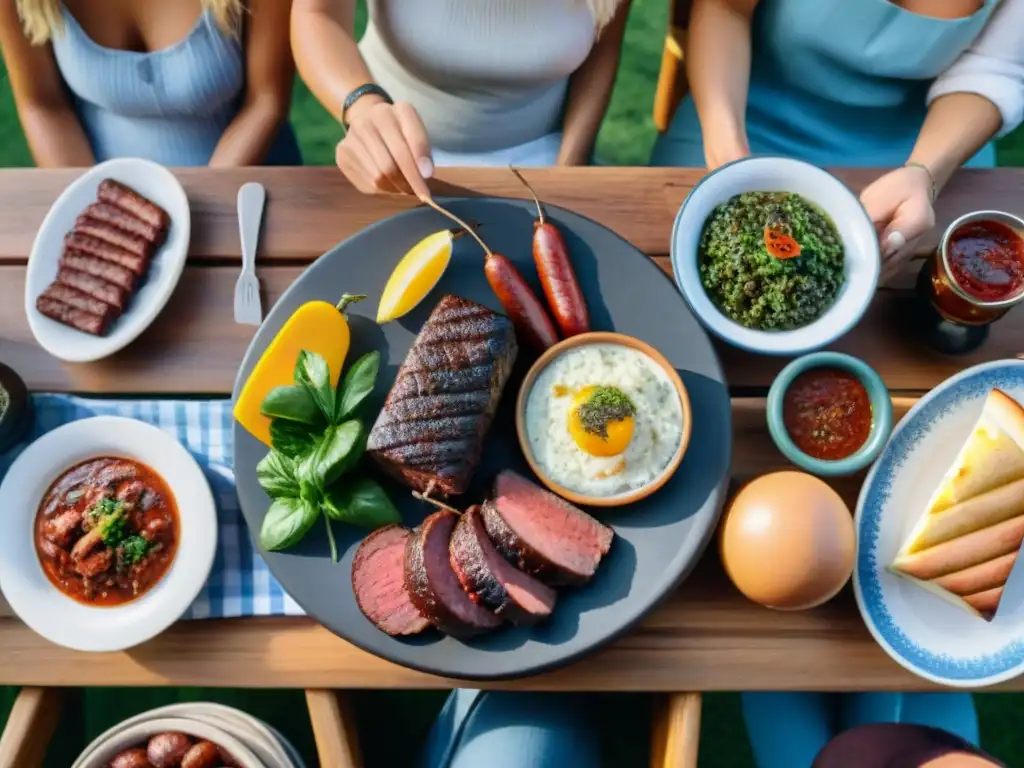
column 415, row 276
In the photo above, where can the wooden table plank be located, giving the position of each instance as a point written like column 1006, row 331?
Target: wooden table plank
column 196, row 347
column 705, row 636
column 311, row 209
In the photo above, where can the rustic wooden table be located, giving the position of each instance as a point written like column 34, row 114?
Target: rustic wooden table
column 704, row 637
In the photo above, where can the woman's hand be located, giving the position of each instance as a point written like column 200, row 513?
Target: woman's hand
column 900, row 205
column 385, row 149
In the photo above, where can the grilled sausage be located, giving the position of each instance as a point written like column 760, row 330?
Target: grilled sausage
column 204, row 754
column 101, row 249
column 76, row 318
column 79, row 300
column 525, row 310
column 556, row 274
column 106, row 270
column 128, row 199
column 126, row 222
column 93, row 286
column 166, row 750
column 109, row 233
column 131, row 758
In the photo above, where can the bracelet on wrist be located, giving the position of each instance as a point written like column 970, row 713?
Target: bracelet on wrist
column 363, row 90
column 931, row 177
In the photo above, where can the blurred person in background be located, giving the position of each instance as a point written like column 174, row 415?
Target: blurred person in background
column 919, row 85
column 459, row 82
column 180, row 82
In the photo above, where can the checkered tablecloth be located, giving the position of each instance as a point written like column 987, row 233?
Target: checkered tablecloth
column 240, row 583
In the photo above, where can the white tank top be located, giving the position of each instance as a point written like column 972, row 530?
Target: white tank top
column 483, row 74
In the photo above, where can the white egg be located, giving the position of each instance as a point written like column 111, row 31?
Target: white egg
column 657, row 428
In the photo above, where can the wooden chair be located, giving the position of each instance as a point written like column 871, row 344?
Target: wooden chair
column 672, row 85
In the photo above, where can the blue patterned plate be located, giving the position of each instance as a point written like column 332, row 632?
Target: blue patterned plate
column 924, row 633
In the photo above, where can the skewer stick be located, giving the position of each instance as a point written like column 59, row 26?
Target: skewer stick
column 430, row 500
column 429, row 201
column 536, row 200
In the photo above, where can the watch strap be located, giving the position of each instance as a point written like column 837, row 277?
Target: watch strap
column 357, row 94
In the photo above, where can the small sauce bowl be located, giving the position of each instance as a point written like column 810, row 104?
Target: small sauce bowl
column 881, row 414
column 598, row 337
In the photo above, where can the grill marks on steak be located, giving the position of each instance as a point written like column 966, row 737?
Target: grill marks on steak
column 432, row 427
column 378, row 580
column 433, row 586
column 491, row 580
column 542, row 534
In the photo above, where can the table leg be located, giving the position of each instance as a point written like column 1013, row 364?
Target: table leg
column 33, row 719
column 676, row 731
column 334, row 729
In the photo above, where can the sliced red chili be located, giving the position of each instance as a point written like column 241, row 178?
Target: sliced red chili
column 780, row 245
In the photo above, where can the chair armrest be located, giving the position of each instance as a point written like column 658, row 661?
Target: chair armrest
column 334, row 729
column 672, row 84
column 27, row 734
column 675, row 736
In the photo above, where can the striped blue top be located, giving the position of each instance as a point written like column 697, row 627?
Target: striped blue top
column 170, row 106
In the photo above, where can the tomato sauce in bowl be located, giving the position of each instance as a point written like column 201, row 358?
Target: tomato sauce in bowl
column 827, row 413
column 986, row 259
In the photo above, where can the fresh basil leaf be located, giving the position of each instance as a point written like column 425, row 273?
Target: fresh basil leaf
column 293, row 439
column 360, row 501
column 313, row 375
column 309, row 492
column 292, row 403
column 357, row 385
column 333, row 454
column 276, row 474
column 287, row 521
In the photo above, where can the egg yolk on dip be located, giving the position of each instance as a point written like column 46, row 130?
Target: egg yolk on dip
column 601, row 420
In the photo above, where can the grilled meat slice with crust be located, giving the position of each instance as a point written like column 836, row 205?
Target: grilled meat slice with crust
column 431, row 431
column 378, row 580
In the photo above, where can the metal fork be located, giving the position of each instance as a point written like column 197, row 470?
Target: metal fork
column 252, row 198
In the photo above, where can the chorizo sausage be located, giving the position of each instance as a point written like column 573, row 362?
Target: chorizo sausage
column 525, row 310
column 203, row 754
column 131, row 758
column 126, row 198
column 556, row 273
column 166, row 750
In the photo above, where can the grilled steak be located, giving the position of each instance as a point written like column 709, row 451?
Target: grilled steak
column 102, row 249
column 432, row 427
column 97, row 287
column 127, row 199
column 102, row 230
column 79, row 300
column 432, row 584
column 68, row 315
column 492, row 581
column 378, row 580
column 543, row 534
column 105, row 270
column 127, row 222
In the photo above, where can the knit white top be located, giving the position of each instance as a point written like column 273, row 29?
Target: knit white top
column 483, row 74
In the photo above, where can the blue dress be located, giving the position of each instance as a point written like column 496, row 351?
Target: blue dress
column 836, row 83
column 170, row 106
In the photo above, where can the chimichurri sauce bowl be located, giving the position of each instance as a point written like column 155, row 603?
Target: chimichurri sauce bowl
column 775, row 256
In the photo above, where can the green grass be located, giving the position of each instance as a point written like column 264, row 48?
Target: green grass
column 393, row 724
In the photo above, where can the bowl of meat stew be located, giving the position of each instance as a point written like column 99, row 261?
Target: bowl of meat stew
column 113, row 531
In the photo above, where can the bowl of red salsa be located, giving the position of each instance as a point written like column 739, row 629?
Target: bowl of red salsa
column 829, row 413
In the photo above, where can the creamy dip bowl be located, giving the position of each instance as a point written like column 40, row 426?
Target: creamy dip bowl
column 603, row 419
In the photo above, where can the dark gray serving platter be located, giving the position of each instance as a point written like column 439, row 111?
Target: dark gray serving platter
column 658, row 540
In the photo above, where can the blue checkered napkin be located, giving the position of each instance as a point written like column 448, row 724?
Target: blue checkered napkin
column 240, row 583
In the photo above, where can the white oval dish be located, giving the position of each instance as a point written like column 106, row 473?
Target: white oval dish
column 154, row 182
column 59, row 618
column 924, row 633
column 779, row 174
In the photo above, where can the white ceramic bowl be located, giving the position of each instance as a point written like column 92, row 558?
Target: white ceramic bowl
column 39, row 603
column 108, row 745
column 778, row 174
column 154, row 182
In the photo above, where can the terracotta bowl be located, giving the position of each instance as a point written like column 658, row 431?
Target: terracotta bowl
column 603, row 338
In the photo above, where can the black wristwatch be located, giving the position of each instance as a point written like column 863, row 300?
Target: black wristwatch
column 357, row 94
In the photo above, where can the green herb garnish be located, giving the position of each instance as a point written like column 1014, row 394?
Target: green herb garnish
column 317, row 440
column 133, row 549
column 605, row 404
column 109, row 520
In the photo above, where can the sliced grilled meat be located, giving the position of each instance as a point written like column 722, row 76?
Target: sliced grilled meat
column 97, row 287
column 491, row 580
column 127, row 222
column 109, row 233
column 105, row 270
column 102, row 249
column 68, row 315
column 378, row 580
column 79, row 300
column 431, row 430
column 126, row 198
column 543, row 534
column 433, row 586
